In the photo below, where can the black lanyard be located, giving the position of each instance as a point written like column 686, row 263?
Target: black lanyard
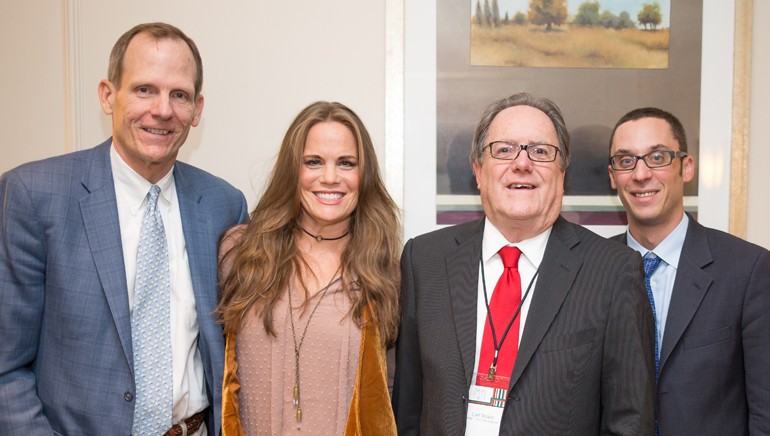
column 493, row 367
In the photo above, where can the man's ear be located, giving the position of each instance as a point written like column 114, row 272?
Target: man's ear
column 688, row 168
column 198, row 111
column 106, row 91
column 612, row 179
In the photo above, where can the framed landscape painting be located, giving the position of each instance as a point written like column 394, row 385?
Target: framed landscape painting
column 595, row 67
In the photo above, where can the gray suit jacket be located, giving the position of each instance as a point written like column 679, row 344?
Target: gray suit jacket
column 66, row 362
column 715, row 357
column 585, row 363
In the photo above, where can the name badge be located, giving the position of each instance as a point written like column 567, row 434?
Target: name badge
column 486, row 402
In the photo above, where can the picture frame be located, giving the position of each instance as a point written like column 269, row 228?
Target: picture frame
column 415, row 120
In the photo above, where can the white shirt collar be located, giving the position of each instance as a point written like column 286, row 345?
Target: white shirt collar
column 133, row 187
column 533, row 248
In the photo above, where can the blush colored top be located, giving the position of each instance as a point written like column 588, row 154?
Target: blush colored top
column 328, row 364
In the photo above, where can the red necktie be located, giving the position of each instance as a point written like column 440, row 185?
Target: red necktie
column 505, row 300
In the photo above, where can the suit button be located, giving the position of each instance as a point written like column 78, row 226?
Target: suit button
column 128, row 396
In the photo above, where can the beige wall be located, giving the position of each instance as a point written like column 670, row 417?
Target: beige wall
column 32, row 108
column 263, row 62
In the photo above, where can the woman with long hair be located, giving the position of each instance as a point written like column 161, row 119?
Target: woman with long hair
column 310, row 288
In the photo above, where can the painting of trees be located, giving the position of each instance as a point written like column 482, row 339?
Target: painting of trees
column 650, row 15
column 520, row 18
column 490, row 15
column 547, row 13
column 590, row 33
column 588, row 14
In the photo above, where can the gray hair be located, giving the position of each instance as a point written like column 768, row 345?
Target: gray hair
column 545, row 105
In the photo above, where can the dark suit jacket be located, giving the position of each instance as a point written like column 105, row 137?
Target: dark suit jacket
column 585, row 363
column 66, row 362
column 715, row 357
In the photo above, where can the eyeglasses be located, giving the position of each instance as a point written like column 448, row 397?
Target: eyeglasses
column 504, row 150
column 655, row 159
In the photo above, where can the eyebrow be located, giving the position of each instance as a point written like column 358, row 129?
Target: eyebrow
column 532, row 142
column 652, row 148
column 318, row 156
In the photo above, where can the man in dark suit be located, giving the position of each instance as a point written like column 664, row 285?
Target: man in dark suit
column 71, row 261
column 580, row 337
column 710, row 291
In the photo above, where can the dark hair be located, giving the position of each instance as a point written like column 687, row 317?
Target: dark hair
column 652, row 112
column 265, row 257
column 157, row 31
column 545, row 105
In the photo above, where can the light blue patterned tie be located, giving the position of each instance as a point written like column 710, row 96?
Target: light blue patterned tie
column 151, row 326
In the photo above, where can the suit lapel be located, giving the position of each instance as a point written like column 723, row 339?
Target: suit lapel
column 102, row 227
column 690, row 287
column 199, row 242
column 463, row 276
column 556, row 274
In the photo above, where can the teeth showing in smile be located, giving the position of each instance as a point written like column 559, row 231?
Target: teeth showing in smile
column 521, row 187
column 158, row 131
column 328, row 196
column 644, row 194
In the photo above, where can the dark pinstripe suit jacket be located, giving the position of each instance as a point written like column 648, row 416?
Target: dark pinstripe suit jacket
column 715, row 357
column 585, row 364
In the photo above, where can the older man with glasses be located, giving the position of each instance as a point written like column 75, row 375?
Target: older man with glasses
column 709, row 291
column 522, row 323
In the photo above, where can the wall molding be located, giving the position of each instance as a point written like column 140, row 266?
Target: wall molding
column 73, row 75
column 394, row 100
column 739, row 164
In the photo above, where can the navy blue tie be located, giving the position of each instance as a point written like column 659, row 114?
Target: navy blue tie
column 651, row 262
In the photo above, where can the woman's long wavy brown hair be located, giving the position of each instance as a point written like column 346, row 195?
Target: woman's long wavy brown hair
column 262, row 261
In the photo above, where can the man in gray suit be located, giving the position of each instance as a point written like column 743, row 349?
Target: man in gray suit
column 70, row 262
column 580, row 324
column 710, row 291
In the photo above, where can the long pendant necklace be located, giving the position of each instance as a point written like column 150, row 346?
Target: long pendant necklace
column 298, row 346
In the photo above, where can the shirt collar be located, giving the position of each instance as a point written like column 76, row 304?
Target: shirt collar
column 133, row 187
column 670, row 249
column 533, row 248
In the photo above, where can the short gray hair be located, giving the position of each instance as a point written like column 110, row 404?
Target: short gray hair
column 545, row 105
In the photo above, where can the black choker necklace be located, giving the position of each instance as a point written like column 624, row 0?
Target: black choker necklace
column 320, row 238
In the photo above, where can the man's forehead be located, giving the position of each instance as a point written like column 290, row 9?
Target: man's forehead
column 642, row 148
column 645, row 133
column 522, row 120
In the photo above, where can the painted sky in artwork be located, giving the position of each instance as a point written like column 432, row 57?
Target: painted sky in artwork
column 614, row 6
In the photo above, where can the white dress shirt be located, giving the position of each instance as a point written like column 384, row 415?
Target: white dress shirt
column 532, row 251
column 189, row 385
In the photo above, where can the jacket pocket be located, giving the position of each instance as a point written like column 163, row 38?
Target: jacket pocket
column 709, row 337
column 572, row 340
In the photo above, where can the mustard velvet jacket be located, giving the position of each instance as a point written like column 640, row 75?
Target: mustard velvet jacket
column 370, row 411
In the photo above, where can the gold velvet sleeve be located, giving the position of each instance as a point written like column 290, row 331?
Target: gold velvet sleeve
column 231, row 418
column 370, row 411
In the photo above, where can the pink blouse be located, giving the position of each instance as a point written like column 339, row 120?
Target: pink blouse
column 328, row 364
